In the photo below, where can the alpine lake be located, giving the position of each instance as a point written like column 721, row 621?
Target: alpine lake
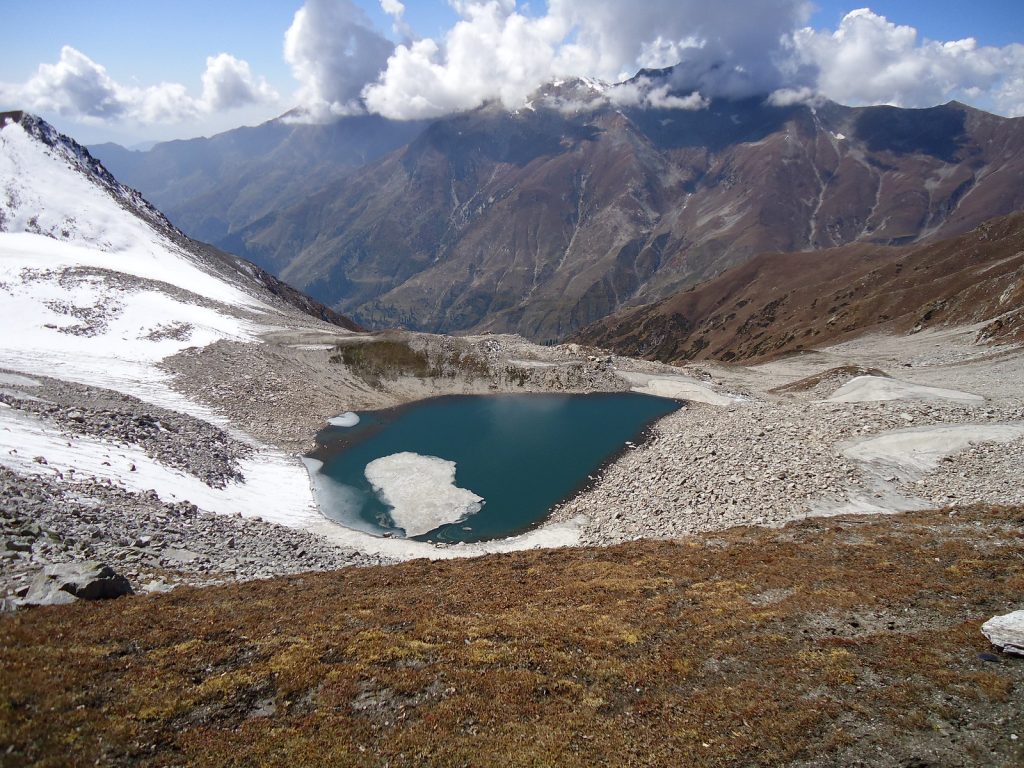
column 516, row 456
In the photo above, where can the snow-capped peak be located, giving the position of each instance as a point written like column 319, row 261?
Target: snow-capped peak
column 95, row 282
column 51, row 186
column 40, row 136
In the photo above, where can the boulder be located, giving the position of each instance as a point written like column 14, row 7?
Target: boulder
column 65, row 582
column 1006, row 632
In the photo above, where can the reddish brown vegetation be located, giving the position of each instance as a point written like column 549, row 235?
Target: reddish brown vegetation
column 831, row 642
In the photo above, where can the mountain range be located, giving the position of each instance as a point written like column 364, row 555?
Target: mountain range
column 782, row 303
column 545, row 220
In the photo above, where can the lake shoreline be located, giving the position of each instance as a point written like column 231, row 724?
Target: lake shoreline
column 558, row 418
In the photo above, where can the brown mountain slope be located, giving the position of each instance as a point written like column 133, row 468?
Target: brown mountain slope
column 544, row 221
column 778, row 303
column 839, row 641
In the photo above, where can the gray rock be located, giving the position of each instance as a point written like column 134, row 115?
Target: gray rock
column 1006, row 632
column 65, row 582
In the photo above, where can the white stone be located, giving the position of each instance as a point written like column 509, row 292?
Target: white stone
column 1006, row 632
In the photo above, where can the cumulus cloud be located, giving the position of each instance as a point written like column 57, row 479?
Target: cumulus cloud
column 228, row 83
column 78, row 87
column 503, row 51
column 870, row 60
column 334, row 51
column 497, row 52
column 652, row 94
column 396, row 11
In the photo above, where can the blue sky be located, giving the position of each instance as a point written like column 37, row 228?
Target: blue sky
column 153, row 41
column 146, row 43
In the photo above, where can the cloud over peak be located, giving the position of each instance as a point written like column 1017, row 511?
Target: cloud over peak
column 504, row 51
column 870, row 60
column 334, row 51
column 498, row 52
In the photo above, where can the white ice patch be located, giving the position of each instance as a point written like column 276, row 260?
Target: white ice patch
column 868, row 389
column 347, row 419
column 677, row 388
column 276, row 487
column 421, row 491
column 909, row 452
column 14, row 380
column 342, row 500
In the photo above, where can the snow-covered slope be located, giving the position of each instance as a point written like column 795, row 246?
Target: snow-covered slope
column 97, row 287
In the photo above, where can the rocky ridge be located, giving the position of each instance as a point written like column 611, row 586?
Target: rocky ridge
column 283, row 391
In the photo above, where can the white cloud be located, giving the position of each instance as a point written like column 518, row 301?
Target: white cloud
column 228, row 83
column 661, row 98
column 334, row 52
column 497, row 52
column 492, row 52
column 396, row 11
column 787, row 97
column 870, row 60
column 75, row 85
column 644, row 92
column 502, row 51
column 79, row 88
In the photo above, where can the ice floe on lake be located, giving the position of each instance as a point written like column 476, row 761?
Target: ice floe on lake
column 421, row 491
column 347, row 419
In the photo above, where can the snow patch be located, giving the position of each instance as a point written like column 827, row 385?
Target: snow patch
column 44, row 198
column 91, row 328
column 276, row 488
column 421, row 491
column 910, row 452
column 867, row 389
column 14, row 380
column 678, row 388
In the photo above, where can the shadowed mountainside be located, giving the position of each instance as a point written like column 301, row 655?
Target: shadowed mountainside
column 212, row 186
column 779, row 303
column 545, row 220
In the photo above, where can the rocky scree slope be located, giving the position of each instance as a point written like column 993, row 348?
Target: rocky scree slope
column 782, row 303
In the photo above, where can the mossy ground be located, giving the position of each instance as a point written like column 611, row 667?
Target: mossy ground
column 846, row 641
column 390, row 359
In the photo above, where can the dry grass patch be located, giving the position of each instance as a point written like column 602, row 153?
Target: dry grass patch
column 829, row 642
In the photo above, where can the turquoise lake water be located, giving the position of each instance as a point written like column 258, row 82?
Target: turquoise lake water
column 522, row 453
